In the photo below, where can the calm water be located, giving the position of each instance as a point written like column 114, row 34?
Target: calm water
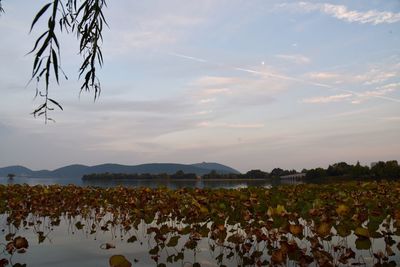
column 66, row 245
column 173, row 184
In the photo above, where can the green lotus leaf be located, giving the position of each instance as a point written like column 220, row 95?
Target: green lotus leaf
column 363, row 243
column 132, row 239
column 119, row 261
column 362, row 232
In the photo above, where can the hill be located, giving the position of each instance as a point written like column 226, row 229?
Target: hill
column 212, row 166
column 77, row 170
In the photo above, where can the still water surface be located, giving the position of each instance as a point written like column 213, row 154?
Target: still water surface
column 65, row 245
column 173, row 184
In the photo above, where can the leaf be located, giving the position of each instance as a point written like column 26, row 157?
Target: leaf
column 56, row 103
column 324, row 229
column 20, row 242
column 107, row 246
column 173, row 241
column 363, row 243
column 41, row 237
column 55, row 65
column 296, row 229
column 37, row 42
column 342, row 210
column 79, row 225
column 132, row 239
column 154, row 250
column 119, row 261
column 39, row 14
column 277, row 256
column 362, row 232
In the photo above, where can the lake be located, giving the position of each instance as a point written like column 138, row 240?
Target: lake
column 152, row 183
column 354, row 223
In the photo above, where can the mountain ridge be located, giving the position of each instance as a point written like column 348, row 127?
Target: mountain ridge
column 78, row 170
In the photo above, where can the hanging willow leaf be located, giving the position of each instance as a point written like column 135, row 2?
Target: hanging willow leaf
column 86, row 19
column 55, row 64
column 39, row 14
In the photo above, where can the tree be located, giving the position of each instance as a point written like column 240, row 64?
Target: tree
column 359, row 171
column 257, row 174
column 86, row 20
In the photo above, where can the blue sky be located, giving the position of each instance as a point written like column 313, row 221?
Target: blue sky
column 251, row 84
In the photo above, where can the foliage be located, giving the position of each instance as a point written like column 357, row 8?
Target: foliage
column 252, row 174
column 324, row 225
column 380, row 170
column 141, row 176
column 85, row 19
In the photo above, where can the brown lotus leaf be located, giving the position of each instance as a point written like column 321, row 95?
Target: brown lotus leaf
column 342, row 210
column 20, row 242
column 324, row 229
column 107, row 246
column 10, row 247
column 296, row 229
column 389, row 251
column 278, row 257
column 3, row 262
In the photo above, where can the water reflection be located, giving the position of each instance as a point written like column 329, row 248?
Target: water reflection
column 70, row 226
column 153, row 183
column 74, row 241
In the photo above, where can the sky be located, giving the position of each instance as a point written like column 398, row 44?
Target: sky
column 250, row 84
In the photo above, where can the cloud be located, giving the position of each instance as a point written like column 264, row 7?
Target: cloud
column 376, row 76
column 373, row 75
column 379, row 92
column 327, row 99
column 207, row 100
column 157, row 106
column 343, row 13
column 216, row 82
column 148, row 32
column 357, row 97
column 295, row 58
column 236, row 92
column 231, row 125
column 322, row 75
column 392, row 118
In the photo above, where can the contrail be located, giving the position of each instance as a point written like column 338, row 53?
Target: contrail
column 283, row 77
column 188, row 57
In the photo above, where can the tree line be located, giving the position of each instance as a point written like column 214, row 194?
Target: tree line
column 253, row 174
column 140, row 176
column 379, row 170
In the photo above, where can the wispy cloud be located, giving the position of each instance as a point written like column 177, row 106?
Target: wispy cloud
column 327, row 99
column 393, row 118
column 357, row 97
column 231, row 125
column 295, row 58
column 207, row 100
column 147, row 32
column 373, row 75
column 266, row 75
column 323, row 75
column 342, row 12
